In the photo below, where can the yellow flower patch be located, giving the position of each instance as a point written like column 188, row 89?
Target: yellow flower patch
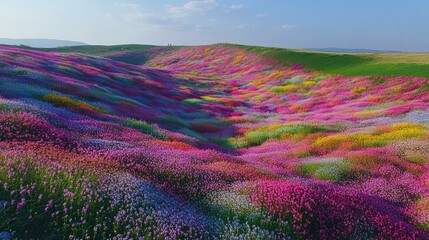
column 332, row 141
column 309, row 83
column 360, row 89
column 366, row 114
column 397, row 89
column 276, row 75
column 379, row 137
column 58, row 100
column 283, row 89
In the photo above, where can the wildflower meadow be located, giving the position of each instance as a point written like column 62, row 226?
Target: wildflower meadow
column 208, row 142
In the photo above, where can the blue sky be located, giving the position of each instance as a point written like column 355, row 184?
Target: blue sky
column 375, row 24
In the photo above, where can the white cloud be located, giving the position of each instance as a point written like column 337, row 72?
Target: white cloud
column 201, row 5
column 151, row 19
column 128, row 6
column 288, row 26
column 236, row 6
column 175, row 20
column 242, row 26
column 192, row 7
column 260, row 15
column 200, row 27
column 159, row 22
column 178, row 11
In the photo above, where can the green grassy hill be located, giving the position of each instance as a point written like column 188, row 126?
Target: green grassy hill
column 350, row 64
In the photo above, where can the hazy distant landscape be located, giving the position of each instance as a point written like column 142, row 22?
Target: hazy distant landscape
column 40, row 43
column 186, row 138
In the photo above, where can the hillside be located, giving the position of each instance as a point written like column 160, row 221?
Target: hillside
column 351, row 64
column 211, row 142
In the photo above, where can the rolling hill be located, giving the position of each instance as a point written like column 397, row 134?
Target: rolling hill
column 212, row 142
column 351, row 64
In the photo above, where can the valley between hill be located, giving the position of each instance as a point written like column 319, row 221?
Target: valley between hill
column 212, row 142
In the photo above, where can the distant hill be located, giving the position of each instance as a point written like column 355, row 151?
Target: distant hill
column 350, row 50
column 40, row 43
column 97, row 50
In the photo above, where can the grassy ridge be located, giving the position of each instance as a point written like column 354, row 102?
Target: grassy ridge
column 351, row 64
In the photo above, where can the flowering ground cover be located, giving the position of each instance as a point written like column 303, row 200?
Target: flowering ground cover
column 209, row 142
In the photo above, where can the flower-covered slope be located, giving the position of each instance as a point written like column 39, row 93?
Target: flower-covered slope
column 208, row 143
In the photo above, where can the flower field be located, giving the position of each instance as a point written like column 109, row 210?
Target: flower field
column 209, row 142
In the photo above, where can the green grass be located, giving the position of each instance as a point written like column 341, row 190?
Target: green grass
column 330, row 170
column 350, row 64
column 396, row 69
column 234, row 206
column 145, row 127
column 258, row 136
column 193, row 101
column 25, row 173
